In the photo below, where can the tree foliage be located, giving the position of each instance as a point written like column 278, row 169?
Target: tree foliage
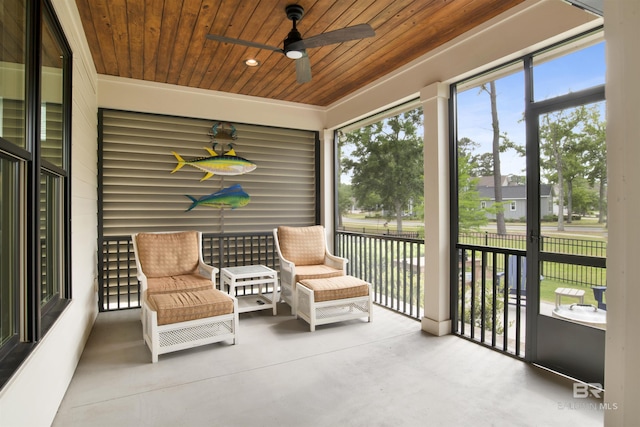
column 470, row 216
column 596, row 157
column 345, row 198
column 386, row 163
column 572, row 145
column 495, row 155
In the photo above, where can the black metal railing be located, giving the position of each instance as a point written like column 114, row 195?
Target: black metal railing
column 393, row 265
column 119, row 288
column 489, row 299
column 586, row 276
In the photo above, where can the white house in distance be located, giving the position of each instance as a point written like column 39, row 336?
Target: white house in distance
column 514, row 197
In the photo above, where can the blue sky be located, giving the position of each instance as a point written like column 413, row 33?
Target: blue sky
column 576, row 71
column 579, row 70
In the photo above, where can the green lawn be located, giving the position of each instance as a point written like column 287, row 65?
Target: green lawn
column 548, row 289
column 547, row 285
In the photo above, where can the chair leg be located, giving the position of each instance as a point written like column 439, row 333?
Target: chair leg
column 312, row 311
column 236, row 321
column 294, row 301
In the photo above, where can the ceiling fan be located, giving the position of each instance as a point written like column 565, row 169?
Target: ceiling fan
column 295, row 47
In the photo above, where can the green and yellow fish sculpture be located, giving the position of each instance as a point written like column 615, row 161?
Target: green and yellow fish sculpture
column 226, row 164
column 231, row 197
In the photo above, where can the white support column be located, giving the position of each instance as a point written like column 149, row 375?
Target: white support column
column 437, row 316
column 622, row 353
column 327, row 185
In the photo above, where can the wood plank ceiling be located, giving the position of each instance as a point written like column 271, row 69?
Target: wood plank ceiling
column 165, row 41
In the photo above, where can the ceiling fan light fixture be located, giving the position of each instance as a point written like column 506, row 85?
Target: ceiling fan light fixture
column 294, row 54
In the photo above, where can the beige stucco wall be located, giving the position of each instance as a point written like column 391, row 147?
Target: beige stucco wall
column 622, row 355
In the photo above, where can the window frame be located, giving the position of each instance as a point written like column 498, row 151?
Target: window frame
column 34, row 318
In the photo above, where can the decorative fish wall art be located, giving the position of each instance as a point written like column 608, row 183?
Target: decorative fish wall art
column 226, row 164
column 231, row 197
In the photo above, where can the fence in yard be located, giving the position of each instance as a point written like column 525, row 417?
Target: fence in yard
column 575, row 274
column 384, row 231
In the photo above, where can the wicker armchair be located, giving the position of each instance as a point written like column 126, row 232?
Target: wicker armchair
column 181, row 308
column 304, row 255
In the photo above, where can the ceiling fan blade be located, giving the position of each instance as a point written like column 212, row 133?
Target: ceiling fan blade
column 243, row 42
column 355, row 32
column 303, row 69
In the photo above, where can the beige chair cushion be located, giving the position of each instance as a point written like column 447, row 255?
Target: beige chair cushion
column 182, row 283
column 305, row 272
column 183, row 306
column 302, row 245
column 168, row 254
column 336, row 288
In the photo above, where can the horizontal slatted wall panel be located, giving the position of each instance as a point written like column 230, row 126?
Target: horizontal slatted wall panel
column 139, row 192
column 51, row 147
column 13, row 121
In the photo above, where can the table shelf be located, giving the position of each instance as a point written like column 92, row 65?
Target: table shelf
column 263, row 277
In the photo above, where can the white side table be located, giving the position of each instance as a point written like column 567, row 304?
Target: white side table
column 252, row 275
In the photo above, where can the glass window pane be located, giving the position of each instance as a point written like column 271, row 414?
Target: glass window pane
column 573, row 169
column 9, row 249
column 491, row 162
column 51, row 97
column 50, row 236
column 581, row 69
column 12, row 71
column 381, row 175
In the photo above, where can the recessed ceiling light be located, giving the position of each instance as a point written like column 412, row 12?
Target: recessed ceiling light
column 251, row 62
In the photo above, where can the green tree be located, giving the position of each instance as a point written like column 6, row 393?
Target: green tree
column 501, row 227
column 483, row 164
column 488, row 164
column 470, row 216
column 387, row 163
column 558, row 144
column 596, row 156
column 573, row 164
column 345, row 201
column 584, row 197
column 573, row 149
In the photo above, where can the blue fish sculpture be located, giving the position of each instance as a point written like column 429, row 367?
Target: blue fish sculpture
column 230, row 197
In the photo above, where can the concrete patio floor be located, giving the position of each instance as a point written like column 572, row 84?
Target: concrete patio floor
column 384, row 373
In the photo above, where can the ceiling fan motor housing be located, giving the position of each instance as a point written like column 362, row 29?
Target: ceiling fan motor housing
column 294, row 13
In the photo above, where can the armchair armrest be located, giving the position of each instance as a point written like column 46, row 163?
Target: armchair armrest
column 287, row 270
column 208, row 271
column 335, row 261
column 142, row 278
